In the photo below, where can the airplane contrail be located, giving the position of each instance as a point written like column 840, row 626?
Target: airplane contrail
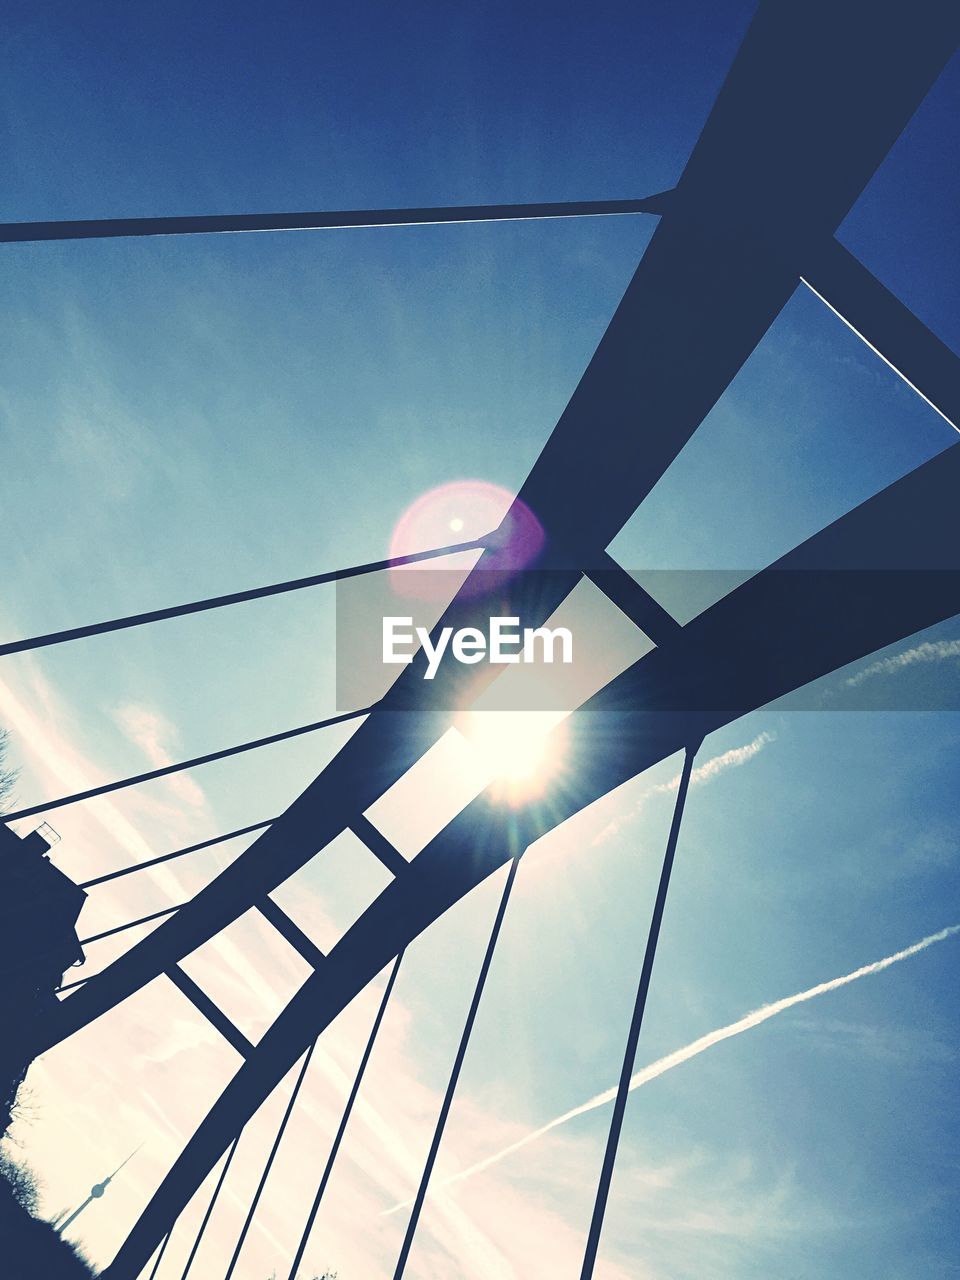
column 692, row 1050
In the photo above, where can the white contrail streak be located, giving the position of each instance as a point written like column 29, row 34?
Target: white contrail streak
column 929, row 651
column 705, row 772
column 696, row 1047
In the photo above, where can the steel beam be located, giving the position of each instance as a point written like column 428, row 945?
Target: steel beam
column 211, row 1011
column 816, row 96
column 877, row 575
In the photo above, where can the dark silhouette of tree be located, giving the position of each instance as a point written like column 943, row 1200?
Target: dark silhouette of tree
column 327, row 1275
column 8, row 777
column 29, row 1247
column 22, row 1182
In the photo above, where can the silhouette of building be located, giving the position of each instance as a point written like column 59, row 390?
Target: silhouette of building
column 39, row 907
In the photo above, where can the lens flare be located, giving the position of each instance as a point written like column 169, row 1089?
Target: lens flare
column 517, row 751
column 462, row 511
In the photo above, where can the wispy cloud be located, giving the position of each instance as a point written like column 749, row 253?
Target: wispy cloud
column 695, row 1048
column 154, row 735
column 705, row 772
column 56, row 761
column 732, row 759
column 929, row 651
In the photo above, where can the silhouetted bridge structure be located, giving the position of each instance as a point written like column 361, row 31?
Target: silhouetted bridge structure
column 815, row 98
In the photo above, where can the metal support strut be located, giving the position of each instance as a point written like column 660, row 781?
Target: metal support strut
column 455, row 1073
column 344, row 1120
column 633, row 1039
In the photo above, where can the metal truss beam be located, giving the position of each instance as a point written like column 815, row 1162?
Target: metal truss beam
column 633, row 600
column 211, row 1011
column 877, row 575
column 379, row 845
column 815, row 98
column 291, row 931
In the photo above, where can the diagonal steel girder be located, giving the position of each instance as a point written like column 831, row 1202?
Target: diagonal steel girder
column 705, row 662
column 816, row 96
column 797, row 618
column 883, row 572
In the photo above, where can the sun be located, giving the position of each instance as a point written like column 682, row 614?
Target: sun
column 516, row 751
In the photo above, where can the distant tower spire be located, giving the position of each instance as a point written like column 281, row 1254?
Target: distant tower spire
column 96, row 1191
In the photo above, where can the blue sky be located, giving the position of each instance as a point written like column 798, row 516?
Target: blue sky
column 183, row 417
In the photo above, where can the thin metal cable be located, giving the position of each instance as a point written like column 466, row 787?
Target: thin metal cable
column 161, row 1252
column 455, row 1073
column 177, row 853
column 344, row 1119
column 270, row 1159
column 235, row 597
column 122, row 928
column 206, row 224
column 633, row 1039
column 138, row 778
column 213, row 1200
column 70, row 985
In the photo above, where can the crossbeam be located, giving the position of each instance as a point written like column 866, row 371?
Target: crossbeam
column 633, row 600
column 211, row 1011
column 379, row 845
column 291, row 931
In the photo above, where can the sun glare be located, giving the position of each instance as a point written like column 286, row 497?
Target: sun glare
column 516, row 749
